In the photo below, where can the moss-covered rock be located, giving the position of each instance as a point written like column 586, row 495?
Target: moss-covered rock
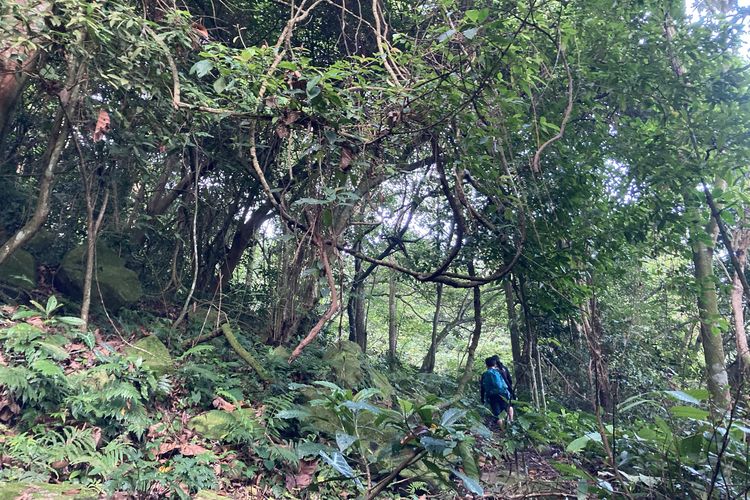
column 207, row 317
column 381, row 382
column 344, row 359
column 154, row 353
column 216, row 424
column 11, row 490
column 19, row 271
column 119, row 285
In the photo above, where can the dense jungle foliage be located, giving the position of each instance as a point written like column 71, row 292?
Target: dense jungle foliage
column 262, row 248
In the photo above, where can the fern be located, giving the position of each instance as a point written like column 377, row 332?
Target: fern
column 16, row 379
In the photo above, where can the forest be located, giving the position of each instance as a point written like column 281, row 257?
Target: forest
column 267, row 248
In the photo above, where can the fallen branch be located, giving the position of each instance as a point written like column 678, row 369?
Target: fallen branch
column 202, row 338
column 244, row 353
column 414, row 456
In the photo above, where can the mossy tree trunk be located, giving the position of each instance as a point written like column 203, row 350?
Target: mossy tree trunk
column 428, row 364
column 708, row 312
column 392, row 319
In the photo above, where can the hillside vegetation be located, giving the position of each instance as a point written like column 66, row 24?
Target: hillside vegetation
column 262, row 249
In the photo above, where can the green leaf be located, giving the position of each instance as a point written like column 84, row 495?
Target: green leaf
column 470, row 33
column 338, row 462
column 51, row 305
column 70, row 320
column 344, row 441
column 682, row 396
column 477, row 15
column 689, row 412
column 448, row 34
column 577, row 444
column 471, row 484
column 568, row 469
column 328, row 385
column 202, row 68
column 47, row 368
column 361, row 405
column 365, row 394
column 435, row 445
column 219, row 85
column 53, row 350
column 451, row 416
column 289, row 414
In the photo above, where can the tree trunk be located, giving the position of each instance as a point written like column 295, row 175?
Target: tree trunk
column 593, row 331
column 477, row 302
column 515, row 337
column 355, row 307
column 92, row 230
column 57, row 141
column 243, row 239
column 428, row 363
column 741, row 242
column 708, row 312
column 392, row 326
column 18, row 61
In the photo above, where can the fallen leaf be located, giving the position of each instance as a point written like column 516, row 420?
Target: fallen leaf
column 303, row 478
column 190, row 450
column 222, row 404
column 35, row 321
column 201, row 30
column 165, row 448
column 102, row 126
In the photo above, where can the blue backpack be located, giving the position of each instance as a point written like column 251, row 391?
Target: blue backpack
column 494, row 384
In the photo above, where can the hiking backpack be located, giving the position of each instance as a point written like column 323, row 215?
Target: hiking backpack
column 494, row 384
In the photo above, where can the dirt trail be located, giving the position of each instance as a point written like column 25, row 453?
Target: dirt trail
column 526, row 474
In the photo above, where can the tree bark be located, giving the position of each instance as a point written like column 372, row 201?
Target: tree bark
column 741, row 244
column 515, row 336
column 355, row 307
column 477, row 302
column 593, row 331
column 18, row 60
column 708, row 312
column 57, row 141
column 428, row 364
column 392, row 319
column 243, row 239
column 92, row 230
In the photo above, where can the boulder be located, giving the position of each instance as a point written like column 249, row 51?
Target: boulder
column 154, row 353
column 381, row 382
column 216, row 424
column 344, row 359
column 119, row 285
column 19, row 271
column 207, row 317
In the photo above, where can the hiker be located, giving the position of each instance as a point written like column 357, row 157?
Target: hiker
column 509, row 382
column 493, row 390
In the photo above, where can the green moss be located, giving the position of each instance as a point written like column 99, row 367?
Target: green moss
column 154, row 353
column 44, row 491
column 19, row 270
column 215, row 424
column 119, row 285
column 344, row 360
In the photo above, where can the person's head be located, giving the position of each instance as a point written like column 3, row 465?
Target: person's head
column 496, row 358
column 490, row 362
